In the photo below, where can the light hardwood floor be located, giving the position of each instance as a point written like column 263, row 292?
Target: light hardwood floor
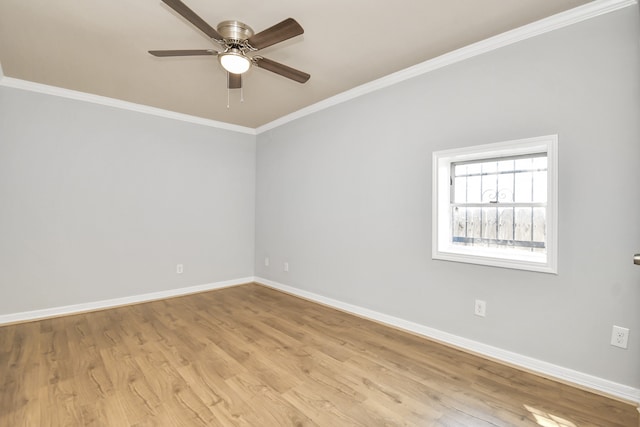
column 253, row 356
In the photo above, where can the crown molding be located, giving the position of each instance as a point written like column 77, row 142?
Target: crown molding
column 564, row 19
column 555, row 22
column 117, row 103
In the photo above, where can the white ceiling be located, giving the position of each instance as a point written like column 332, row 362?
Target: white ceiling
column 100, row 47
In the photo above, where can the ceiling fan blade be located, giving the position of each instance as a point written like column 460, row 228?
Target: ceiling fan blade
column 234, row 81
column 192, row 17
column 189, row 52
column 283, row 70
column 278, row 33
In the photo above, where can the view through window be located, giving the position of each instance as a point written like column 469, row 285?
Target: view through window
column 500, row 202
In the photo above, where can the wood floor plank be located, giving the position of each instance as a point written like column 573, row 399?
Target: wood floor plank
column 253, row 356
column 19, row 395
column 223, row 402
column 265, row 406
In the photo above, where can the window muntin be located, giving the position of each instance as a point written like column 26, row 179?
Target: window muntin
column 498, row 185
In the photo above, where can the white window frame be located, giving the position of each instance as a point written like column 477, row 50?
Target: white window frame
column 442, row 246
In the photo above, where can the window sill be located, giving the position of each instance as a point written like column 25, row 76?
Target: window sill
column 533, row 262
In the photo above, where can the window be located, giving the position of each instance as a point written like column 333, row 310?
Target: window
column 496, row 204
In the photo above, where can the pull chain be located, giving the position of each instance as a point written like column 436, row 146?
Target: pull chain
column 228, row 90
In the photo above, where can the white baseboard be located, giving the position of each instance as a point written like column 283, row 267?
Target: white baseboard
column 566, row 375
column 545, row 369
column 116, row 302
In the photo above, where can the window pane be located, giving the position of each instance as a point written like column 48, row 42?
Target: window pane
column 523, row 187
column 473, row 168
column 524, row 164
column 505, row 188
column 489, row 167
column 505, row 165
column 474, row 222
column 539, row 225
column 460, row 170
column 519, row 228
column 459, row 222
column 540, row 187
column 523, row 224
column 474, row 189
column 489, row 223
column 489, row 188
column 505, row 226
column 460, row 190
column 540, row 163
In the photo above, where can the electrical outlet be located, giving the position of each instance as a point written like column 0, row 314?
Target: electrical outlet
column 179, row 268
column 266, row 261
column 285, row 267
column 480, row 308
column 619, row 336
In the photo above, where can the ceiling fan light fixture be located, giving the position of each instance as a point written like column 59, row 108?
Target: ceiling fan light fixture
column 234, row 61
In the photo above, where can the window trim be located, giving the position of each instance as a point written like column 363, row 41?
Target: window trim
column 443, row 249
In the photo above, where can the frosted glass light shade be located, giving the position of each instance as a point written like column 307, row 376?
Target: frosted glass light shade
column 234, row 62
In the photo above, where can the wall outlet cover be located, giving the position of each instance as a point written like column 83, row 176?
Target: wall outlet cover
column 480, row 308
column 620, row 336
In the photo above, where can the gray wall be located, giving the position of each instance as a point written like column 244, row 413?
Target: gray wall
column 344, row 196
column 99, row 203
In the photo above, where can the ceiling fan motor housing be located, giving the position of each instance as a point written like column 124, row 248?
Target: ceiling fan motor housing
column 235, row 32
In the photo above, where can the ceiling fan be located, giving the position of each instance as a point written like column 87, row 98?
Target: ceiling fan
column 237, row 41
